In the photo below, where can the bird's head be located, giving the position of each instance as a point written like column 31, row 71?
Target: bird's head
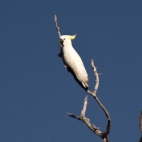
column 66, row 39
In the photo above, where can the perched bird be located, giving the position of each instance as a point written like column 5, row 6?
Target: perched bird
column 73, row 62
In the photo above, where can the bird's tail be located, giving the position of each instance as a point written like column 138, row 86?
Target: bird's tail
column 85, row 85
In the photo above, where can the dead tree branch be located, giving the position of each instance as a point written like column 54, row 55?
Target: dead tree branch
column 97, row 99
column 82, row 117
column 59, row 34
column 57, row 27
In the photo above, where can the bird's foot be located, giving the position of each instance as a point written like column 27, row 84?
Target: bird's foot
column 60, row 54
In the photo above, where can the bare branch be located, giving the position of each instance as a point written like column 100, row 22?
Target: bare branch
column 97, row 99
column 74, row 116
column 97, row 80
column 57, row 27
column 84, row 106
column 97, row 77
column 59, row 34
column 106, row 113
column 140, row 121
column 84, row 119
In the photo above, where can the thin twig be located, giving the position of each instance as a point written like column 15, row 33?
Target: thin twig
column 97, row 80
column 84, row 106
column 106, row 113
column 97, row 77
column 57, row 27
column 74, row 116
column 59, row 34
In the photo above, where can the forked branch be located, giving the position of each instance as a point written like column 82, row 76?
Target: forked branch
column 97, row 99
column 86, row 120
column 82, row 117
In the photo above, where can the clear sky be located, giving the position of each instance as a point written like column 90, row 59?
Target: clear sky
column 36, row 91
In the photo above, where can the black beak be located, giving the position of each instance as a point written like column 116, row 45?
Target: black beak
column 61, row 42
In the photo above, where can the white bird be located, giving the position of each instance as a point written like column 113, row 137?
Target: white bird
column 73, row 61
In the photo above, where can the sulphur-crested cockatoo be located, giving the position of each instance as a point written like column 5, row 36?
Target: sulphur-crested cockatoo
column 73, row 61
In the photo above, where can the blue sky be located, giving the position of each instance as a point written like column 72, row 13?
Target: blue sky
column 36, row 91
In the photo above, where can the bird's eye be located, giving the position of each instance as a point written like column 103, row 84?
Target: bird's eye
column 64, row 38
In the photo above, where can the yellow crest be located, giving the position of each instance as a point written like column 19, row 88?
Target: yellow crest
column 72, row 37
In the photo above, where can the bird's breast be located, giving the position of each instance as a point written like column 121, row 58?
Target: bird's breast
column 74, row 62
